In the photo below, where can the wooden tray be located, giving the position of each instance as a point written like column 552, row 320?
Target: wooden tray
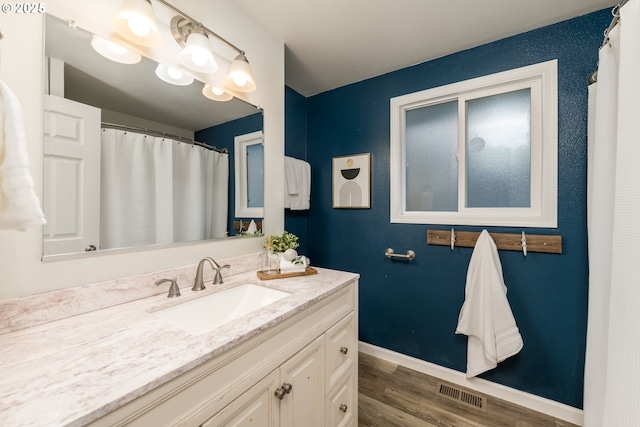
column 309, row 271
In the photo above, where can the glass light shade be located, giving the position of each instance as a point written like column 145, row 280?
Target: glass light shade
column 197, row 55
column 239, row 77
column 173, row 76
column 136, row 22
column 114, row 51
column 215, row 94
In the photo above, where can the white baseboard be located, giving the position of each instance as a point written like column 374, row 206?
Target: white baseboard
column 531, row 401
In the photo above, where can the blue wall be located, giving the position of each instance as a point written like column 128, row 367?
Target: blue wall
column 222, row 136
column 413, row 308
column 295, row 145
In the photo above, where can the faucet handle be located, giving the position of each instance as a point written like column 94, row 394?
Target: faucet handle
column 217, row 280
column 174, row 290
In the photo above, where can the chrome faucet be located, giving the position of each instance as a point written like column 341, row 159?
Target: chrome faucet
column 198, row 284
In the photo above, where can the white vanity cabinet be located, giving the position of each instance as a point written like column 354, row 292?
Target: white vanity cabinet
column 300, row 372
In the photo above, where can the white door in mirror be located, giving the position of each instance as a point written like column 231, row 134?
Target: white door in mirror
column 71, row 176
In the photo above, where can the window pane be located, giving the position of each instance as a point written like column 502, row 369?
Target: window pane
column 431, row 163
column 255, row 178
column 498, row 151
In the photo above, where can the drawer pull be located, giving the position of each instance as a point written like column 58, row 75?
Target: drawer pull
column 344, row 350
column 343, row 408
column 283, row 390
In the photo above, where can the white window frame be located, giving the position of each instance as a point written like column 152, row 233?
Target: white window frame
column 543, row 81
column 240, row 144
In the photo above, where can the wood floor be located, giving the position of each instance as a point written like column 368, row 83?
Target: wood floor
column 390, row 395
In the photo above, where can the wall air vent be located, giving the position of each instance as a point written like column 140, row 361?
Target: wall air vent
column 470, row 399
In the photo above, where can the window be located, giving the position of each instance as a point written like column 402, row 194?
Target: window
column 478, row 152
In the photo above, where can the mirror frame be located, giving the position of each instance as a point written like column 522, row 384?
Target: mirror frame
column 24, row 273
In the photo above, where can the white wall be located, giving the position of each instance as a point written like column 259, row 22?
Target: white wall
column 21, row 66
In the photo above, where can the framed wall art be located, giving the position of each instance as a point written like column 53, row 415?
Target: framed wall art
column 352, row 181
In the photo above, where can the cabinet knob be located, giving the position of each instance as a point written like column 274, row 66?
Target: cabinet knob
column 344, row 350
column 343, row 407
column 283, row 390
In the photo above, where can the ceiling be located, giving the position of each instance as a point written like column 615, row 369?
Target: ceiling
column 332, row 43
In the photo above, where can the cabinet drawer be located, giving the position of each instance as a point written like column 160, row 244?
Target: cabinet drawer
column 341, row 349
column 342, row 402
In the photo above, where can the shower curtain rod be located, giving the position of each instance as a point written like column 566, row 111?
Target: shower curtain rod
column 164, row 135
column 593, row 77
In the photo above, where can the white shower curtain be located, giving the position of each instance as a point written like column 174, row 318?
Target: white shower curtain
column 156, row 190
column 612, row 366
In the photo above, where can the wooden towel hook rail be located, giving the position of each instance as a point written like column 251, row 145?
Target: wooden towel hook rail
column 507, row 241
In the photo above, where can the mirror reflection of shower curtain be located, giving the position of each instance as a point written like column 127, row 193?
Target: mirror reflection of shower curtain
column 156, row 190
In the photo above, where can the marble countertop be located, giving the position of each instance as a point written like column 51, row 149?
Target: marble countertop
column 72, row 371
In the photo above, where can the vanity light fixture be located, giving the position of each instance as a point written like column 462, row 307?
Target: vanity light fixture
column 136, row 22
column 173, row 76
column 239, row 77
column 114, row 51
column 183, row 28
column 196, row 53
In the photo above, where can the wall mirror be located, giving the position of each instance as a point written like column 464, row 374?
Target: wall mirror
column 100, row 200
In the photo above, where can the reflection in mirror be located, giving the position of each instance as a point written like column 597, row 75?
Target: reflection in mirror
column 121, row 166
column 249, row 176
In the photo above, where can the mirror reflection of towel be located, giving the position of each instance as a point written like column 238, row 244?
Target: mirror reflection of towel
column 19, row 205
column 486, row 316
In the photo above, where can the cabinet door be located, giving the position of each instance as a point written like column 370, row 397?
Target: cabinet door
column 304, row 405
column 257, row 407
column 342, row 350
column 342, row 403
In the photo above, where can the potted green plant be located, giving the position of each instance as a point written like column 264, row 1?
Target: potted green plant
column 281, row 242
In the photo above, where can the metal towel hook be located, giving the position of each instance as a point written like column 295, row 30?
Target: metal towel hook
column 453, row 238
column 524, row 244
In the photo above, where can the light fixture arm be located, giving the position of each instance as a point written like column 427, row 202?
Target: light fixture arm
column 200, row 25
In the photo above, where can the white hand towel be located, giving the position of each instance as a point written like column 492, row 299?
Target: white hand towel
column 19, row 205
column 486, row 316
column 290, row 267
column 297, row 191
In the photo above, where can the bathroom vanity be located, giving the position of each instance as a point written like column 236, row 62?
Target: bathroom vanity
column 290, row 363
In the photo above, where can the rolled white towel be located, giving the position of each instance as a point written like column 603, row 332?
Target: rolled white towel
column 19, row 205
column 290, row 267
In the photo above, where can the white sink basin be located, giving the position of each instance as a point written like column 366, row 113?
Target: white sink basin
column 209, row 312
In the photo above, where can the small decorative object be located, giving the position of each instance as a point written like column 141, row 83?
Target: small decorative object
column 281, row 259
column 270, row 262
column 290, row 254
column 352, row 181
column 281, row 242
